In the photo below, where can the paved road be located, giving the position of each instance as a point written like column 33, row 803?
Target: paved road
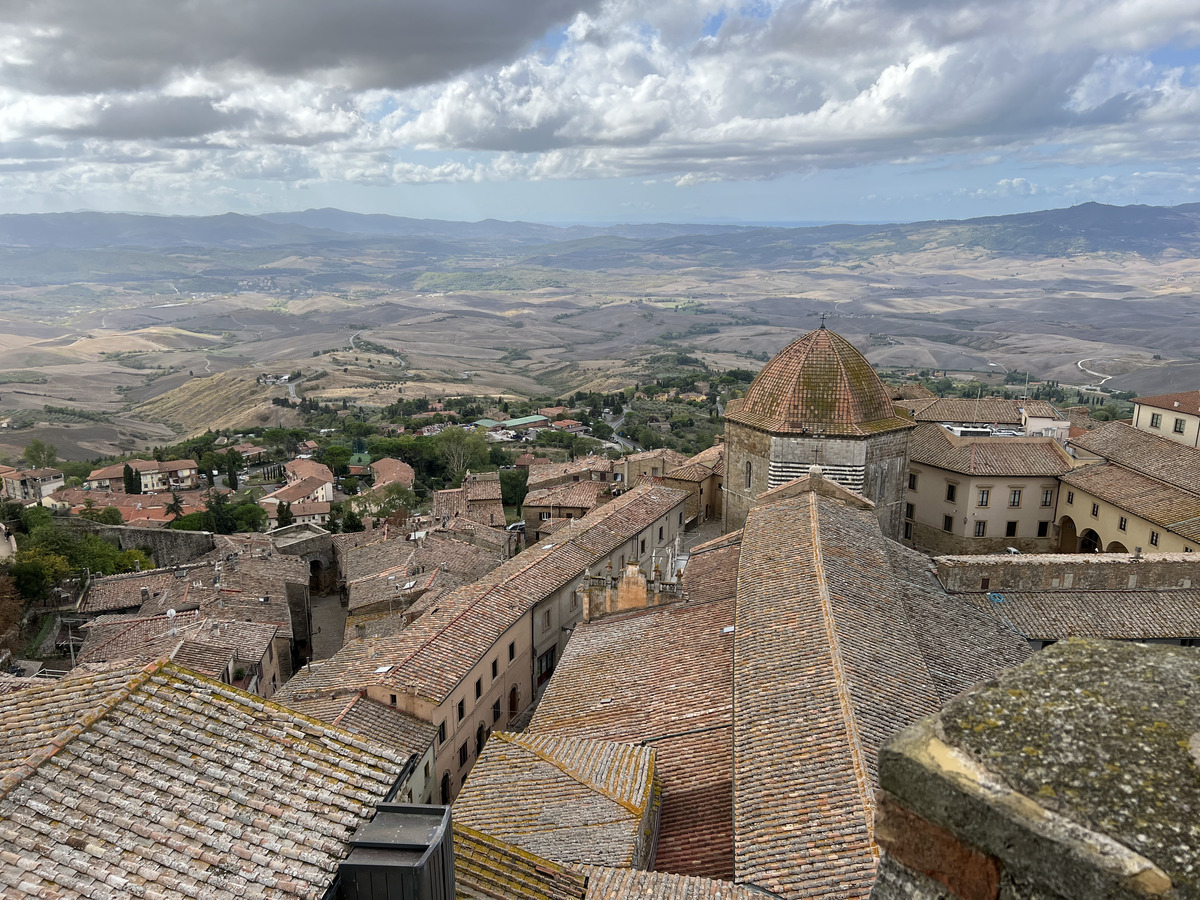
column 329, row 624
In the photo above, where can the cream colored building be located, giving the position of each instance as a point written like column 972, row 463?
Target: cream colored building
column 982, row 494
column 1173, row 416
column 1132, row 489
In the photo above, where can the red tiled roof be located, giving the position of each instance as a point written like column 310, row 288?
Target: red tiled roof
column 1150, row 454
column 933, row 445
column 663, row 676
column 1174, row 508
column 1183, row 401
column 817, row 384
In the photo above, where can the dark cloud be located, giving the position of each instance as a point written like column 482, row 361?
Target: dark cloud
column 92, row 46
column 156, row 118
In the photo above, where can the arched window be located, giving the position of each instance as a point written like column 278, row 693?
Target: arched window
column 445, row 788
column 479, row 739
column 749, row 467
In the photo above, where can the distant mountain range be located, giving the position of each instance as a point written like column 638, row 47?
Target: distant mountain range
column 215, row 253
column 1087, row 227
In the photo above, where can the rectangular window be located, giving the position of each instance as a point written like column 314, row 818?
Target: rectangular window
column 947, row 523
column 1070, row 496
column 1180, row 424
column 393, row 699
column 1047, row 496
column 908, row 510
column 1154, row 539
column 660, row 532
column 462, row 709
column 546, row 620
column 951, row 492
column 495, row 668
column 643, row 545
column 512, row 651
column 1010, row 529
column 1156, row 420
column 1123, row 524
column 463, row 754
column 545, row 665
column 544, row 516
column 908, row 531
column 980, row 529
column 1014, row 497
column 984, row 583
column 1095, row 509
column 478, row 688
column 496, row 711
column 1043, row 529
column 912, row 481
column 681, row 513
column 441, row 732
column 985, row 497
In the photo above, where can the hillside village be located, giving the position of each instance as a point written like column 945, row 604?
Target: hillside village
column 776, row 666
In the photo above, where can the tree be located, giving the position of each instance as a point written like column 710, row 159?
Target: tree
column 40, row 455
column 337, row 459
column 350, row 485
column 513, row 486
column 132, row 478
column 217, row 505
column 283, row 515
column 175, row 507
column 352, row 522
column 36, row 571
column 249, row 517
column 460, row 449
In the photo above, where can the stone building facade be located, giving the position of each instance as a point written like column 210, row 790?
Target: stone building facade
column 818, row 402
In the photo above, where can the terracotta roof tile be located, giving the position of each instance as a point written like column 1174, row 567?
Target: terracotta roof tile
column 1182, row 401
column 625, row 884
column 1172, row 507
column 1157, row 457
column 166, row 783
column 818, row 383
column 663, row 676
column 485, row 866
column 581, row 801
column 933, row 445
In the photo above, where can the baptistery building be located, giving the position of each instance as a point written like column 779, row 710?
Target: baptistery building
column 818, row 402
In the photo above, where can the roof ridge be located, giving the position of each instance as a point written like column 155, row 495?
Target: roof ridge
column 36, row 759
column 841, row 681
column 570, row 772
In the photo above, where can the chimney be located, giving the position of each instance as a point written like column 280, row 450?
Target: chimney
column 145, row 594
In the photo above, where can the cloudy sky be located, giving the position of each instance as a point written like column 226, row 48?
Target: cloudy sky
column 599, row 110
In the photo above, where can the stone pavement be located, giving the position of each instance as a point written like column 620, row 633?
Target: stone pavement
column 329, row 624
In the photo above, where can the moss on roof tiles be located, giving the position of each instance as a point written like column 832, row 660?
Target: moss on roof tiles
column 819, row 383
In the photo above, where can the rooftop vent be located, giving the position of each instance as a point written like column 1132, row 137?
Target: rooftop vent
column 405, row 851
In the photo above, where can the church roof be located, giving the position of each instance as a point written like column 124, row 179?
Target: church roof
column 818, row 384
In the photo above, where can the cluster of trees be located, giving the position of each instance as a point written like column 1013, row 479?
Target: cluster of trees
column 221, row 515
column 48, row 553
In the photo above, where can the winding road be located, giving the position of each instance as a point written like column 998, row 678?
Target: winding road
column 1103, row 378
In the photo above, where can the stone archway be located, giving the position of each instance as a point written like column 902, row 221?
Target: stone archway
column 1089, row 542
column 1068, row 539
column 1116, row 547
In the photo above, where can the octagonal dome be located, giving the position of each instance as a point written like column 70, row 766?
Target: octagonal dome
column 818, row 384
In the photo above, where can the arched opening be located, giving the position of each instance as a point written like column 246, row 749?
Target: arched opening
column 1089, row 542
column 1116, row 547
column 445, row 788
column 1068, row 540
column 480, row 737
column 314, row 575
column 512, row 701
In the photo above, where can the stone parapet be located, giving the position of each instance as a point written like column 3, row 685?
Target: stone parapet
column 1076, row 775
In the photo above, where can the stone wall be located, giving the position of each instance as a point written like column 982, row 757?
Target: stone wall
column 1028, row 788
column 1070, row 571
column 887, row 479
column 935, row 542
column 744, row 445
column 168, row 546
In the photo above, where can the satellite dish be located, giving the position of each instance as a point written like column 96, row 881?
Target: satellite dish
column 170, row 613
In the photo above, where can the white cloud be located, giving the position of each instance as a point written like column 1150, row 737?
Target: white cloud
column 174, row 97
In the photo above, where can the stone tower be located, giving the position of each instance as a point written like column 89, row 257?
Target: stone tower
column 817, row 402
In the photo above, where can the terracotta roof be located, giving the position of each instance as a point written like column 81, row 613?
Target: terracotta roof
column 380, row 723
column 818, row 383
column 567, row 799
column 1173, row 508
column 957, row 411
column 573, row 494
column 307, row 468
column 297, row 490
column 485, row 866
column 663, row 676
column 1183, row 401
column 388, row 470
column 1116, row 615
column 162, row 782
column 711, row 573
column 1158, row 457
column 933, row 445
column 841, row 639
column 625, row 884
column 436, row 651
column 542, row 471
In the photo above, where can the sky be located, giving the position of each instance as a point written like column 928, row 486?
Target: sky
column 599, row 111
